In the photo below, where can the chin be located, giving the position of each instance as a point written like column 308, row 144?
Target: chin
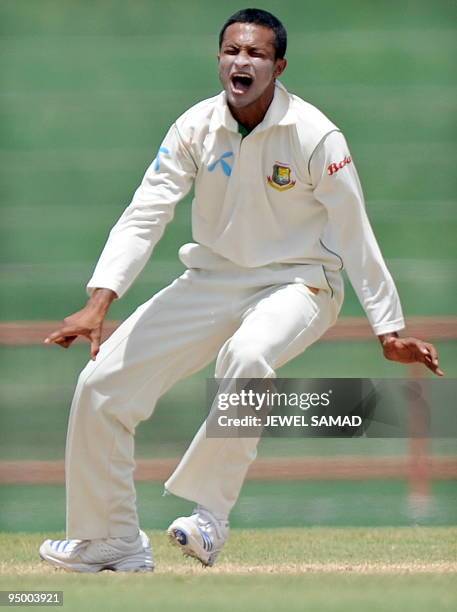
column 235, row 102
column 240, row 101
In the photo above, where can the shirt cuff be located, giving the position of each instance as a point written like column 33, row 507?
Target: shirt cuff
column 389, row 327
column 104, row 284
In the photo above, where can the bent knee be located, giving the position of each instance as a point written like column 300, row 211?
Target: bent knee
column 94, row 378
column 242, row 360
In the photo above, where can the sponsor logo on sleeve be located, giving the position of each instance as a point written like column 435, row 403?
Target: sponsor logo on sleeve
column 162, row 151
column 335, row 166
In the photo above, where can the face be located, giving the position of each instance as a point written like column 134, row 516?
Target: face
column 247, row 64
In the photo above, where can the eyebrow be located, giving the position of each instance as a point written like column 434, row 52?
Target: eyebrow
column 237, row 46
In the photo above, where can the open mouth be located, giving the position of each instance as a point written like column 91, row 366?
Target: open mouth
column 241, row 83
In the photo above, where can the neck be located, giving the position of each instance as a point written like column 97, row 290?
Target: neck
column 250, row 116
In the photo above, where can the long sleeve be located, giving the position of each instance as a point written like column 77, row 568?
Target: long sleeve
column 132, row 239
column 349, row 234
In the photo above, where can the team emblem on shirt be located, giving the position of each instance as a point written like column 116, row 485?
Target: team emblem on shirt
column 280, row 178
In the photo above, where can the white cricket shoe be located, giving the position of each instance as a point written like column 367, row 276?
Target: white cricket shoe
column 200, row 535
column 116, row 554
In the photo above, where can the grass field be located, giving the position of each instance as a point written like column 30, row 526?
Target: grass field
column 347, row 570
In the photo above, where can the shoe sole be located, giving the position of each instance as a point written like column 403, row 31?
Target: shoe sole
column 187, row 549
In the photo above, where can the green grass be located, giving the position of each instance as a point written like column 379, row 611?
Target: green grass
column 315, row 569
column 265, row 593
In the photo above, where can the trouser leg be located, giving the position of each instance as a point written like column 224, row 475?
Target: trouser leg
column 176, row 333
column 275, row 328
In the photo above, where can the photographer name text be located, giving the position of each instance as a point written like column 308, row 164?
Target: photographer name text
column 276, row 420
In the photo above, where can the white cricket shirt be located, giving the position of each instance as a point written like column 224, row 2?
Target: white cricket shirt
column 287, row 193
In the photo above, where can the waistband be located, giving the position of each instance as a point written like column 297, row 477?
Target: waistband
column 197, row 256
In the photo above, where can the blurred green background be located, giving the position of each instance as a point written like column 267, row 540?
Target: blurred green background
column 89, row 88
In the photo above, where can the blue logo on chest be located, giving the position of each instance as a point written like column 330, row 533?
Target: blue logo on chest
column 226, row 168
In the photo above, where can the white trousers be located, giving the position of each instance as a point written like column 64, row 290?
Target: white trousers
column 253, row 321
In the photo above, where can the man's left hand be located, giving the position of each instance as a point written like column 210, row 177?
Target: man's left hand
column 410, row 350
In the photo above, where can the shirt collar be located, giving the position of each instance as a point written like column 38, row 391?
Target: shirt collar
column 279, row 112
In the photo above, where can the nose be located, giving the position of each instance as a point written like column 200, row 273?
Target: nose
column 242, row 60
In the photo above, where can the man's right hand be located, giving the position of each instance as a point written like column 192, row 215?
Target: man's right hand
column 87, row 322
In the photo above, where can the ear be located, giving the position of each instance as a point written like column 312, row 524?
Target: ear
column 280, row 66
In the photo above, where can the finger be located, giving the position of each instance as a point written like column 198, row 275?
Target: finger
column 67, row 341
column 67, row 332
column 432, row 363
column 430, row 358
column 95, row 342
column 425, row 351
column 60, row 338
column 63, row 333
column 56, row 336
column 433, row 367
column 432, row 352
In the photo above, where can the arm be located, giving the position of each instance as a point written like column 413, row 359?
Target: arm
column 349, row 234
column 132, row 239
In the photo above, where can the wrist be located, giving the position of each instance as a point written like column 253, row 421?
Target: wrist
column 101, row 299
column 386, row 338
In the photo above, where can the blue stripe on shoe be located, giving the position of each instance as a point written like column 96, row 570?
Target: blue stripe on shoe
column 207, row 542
column 203, row 537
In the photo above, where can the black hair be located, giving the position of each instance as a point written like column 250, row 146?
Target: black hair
column 262, row 18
